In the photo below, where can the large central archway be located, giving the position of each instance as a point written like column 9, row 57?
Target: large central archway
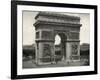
column 47, row 26
column 60, row 49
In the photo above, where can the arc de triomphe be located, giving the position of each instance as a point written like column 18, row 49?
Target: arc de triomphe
column 47, row 26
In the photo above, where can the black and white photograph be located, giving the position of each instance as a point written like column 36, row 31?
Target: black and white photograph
column 53, row 39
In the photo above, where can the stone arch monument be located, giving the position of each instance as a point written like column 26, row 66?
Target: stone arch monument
column 47, row 26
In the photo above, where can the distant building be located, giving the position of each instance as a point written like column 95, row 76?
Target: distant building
column 84, row 47
column 29, row 47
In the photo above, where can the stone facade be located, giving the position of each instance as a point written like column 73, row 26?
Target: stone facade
column 47, row 26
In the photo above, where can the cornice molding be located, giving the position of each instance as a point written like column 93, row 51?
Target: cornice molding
column 56, row 23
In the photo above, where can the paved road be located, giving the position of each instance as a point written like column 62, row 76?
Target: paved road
column 31, row 64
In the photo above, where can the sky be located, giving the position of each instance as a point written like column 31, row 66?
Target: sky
column 29, row 29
